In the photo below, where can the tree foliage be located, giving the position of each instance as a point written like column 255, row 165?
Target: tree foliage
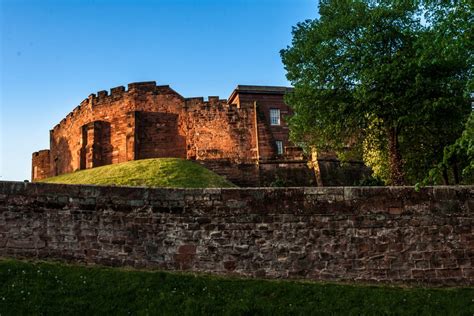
column 459, row 155
column 388, row 78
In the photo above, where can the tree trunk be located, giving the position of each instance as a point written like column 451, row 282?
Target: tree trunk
column 456, row 172
column 395, row 158
column 445, row 176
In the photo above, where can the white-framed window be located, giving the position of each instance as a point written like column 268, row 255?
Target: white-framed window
column 274, row 116
column 279, row 145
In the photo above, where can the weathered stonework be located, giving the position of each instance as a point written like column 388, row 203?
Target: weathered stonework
column 382, row 234
column 41, row 165
column 150, row 121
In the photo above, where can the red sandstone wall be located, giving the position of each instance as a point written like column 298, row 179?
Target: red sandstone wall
column 217, row 130
column 268, row 133
column 159, row 135
column 69, row 140
column 357, row 234
column 40, row 168
column 149, row 121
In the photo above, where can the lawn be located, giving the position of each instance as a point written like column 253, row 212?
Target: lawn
column 158, row 172
column 57, row 289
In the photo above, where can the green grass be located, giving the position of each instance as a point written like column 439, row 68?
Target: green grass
column 158, row 172
column 58, row 289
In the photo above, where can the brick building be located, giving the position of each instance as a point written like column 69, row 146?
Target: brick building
column 244, row 138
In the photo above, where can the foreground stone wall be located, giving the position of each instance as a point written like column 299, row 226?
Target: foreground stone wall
column 353, row 233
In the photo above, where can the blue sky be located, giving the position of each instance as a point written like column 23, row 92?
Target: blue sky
column 55, row 53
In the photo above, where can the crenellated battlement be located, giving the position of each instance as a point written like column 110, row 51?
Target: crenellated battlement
column 104, row 97
column 102, row 94
column 144, row 120
column 40, row 164
column 194, row 100
column 41, row 152
column 164, row 124
column 142, row 86
column 117, row 91
column 138, row 96
column 212, row 103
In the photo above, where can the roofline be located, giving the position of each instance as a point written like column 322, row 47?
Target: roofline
column 253, row 89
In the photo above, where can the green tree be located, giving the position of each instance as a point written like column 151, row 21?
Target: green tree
column 452, row 25
column 459, row 156
column 375, row 76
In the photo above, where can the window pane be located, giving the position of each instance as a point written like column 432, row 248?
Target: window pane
column 279, row 145
column 275, row 116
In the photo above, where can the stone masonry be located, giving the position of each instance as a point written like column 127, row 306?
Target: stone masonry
column 375, row 234
column 236, row 138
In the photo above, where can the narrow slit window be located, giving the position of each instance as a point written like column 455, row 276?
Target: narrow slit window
column 279, row 145
column 274, row 116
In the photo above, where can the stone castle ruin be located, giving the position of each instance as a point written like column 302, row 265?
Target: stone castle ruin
column 244, row 138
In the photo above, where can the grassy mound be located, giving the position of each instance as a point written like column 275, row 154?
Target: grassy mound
column 158, row 172
column 58, row 289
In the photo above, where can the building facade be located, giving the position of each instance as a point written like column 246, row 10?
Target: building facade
column 244, row 138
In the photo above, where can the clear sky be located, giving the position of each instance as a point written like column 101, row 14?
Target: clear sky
column 55, row 53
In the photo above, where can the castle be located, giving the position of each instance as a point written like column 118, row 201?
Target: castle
column 243, row 138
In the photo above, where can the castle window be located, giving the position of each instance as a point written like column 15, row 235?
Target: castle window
column 274, row 116
column 279, row 145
